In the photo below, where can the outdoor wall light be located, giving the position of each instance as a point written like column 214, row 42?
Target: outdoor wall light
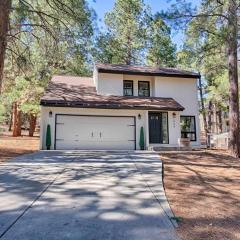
column 50, row 114
column 174, row 115
column 139, row 116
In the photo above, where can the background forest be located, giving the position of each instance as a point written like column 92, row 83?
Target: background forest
column 47, row 37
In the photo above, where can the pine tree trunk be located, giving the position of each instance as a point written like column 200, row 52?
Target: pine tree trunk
column 203, row 108
column 32, row 124
column 11, row 120
column 233, row 79
column 210, row 105
column 14, row 119
column 220, row 125
column 214, row 122
column 128, row 59
column 5, row 6
column 17, row 121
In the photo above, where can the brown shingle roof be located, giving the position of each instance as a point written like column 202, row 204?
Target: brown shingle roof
column 80, row 92
column 144, row 70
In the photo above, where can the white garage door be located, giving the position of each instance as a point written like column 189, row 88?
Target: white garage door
column 95, row 132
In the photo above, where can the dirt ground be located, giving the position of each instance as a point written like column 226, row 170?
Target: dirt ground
column 13, row 146
column 203, row 188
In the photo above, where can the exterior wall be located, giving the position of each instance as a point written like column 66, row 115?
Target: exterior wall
column 110, row 84
column 184, row 91
column 174, row 132
column 95, row 77
column 45, row 120
column 135, row 79
column 173, row 124
column 43, row 127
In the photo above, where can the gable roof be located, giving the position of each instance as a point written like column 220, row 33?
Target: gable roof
column 68, row 91
column 144, row 70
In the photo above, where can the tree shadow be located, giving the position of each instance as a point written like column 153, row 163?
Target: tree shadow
column 203, row 188
column 88, row 195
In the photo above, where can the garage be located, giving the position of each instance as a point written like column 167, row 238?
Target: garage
column 85, row 132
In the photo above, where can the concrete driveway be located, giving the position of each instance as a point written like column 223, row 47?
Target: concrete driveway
column 84, row 195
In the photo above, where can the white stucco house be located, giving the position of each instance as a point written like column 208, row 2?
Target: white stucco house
column 107, row 111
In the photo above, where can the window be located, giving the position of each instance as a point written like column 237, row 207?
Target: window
column 143, row 89
column 128, row 88
column 165, row 128
column 188, row 127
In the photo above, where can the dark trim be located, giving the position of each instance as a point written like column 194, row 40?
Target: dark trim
column 135, row 132
column 167, row 126
column 148, row 88
column 195, row 128
column 148, row 73
column 88, row 115
column 53, row 103
column 94, row 115
column 132, row 87
column 55, row 132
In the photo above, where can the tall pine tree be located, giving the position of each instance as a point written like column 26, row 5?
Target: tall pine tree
column 127, row 24
column 135, row 36
column 161, row 51
column 216, row 20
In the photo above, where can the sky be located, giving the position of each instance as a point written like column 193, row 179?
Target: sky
column 103, row 6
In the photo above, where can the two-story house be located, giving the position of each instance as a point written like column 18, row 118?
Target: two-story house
column 107, row 111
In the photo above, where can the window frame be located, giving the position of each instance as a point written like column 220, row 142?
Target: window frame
column 139, row 82
column 129, row 81
column 191, row 132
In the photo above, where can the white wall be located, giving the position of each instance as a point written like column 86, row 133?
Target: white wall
column 174, row 131
column 174, row 127
column 95, row 77
column 110, row 84
column 45, row 120
column 184, row 91
column 135, row 79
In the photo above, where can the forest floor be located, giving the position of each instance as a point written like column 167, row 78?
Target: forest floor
column 203, row 189
column 11, row 147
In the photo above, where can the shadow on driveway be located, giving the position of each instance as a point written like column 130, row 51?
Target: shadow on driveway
column 83, row 195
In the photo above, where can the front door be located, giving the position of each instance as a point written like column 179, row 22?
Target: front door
column 155, row 127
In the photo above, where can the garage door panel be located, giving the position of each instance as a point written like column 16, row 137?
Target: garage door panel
column 120, row 145
column 70, row 131
column 95, row 132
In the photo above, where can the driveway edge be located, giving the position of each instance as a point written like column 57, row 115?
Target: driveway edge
column 159, row 192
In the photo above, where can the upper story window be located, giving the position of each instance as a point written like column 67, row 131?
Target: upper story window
column 128, row 88
column 188, row 127
column 143, row 89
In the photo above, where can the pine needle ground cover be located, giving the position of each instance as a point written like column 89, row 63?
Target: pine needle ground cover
column 203, row 188
column 11, row 147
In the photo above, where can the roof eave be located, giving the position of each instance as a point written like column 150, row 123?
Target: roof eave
column 52, row 103
column 101, row 70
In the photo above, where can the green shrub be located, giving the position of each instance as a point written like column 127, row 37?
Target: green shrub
column 141, row 141
column 48, row 137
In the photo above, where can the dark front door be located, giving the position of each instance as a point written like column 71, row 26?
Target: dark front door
column 155, row 125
